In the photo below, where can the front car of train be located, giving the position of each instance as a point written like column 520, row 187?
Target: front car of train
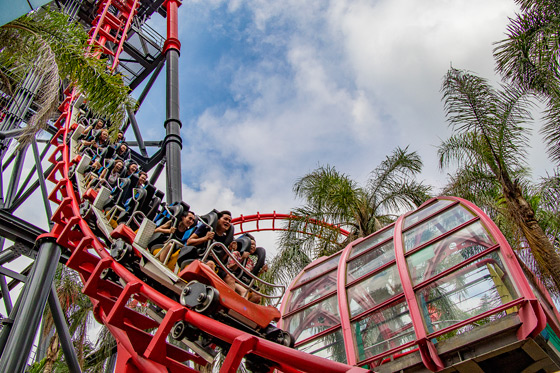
column 438, row 289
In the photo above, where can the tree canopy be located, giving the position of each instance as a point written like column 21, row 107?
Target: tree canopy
column 47, row 44
column 333, row 197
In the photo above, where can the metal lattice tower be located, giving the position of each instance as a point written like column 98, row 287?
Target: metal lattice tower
column 136, row 51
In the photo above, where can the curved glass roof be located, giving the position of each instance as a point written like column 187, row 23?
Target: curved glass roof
column 430, row 276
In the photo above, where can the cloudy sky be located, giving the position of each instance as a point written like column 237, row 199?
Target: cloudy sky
column 270, row 90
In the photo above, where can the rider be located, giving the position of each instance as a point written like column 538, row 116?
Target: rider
column 249, row 260
column 201, row 237
column 180, row 233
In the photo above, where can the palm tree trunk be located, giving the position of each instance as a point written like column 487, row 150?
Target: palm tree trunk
column 52, row 354
column 545, row 255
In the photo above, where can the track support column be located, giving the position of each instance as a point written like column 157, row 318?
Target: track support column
column 173, row 142
column 32, row 303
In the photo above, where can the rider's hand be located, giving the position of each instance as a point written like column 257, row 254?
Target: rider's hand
column 209, row 236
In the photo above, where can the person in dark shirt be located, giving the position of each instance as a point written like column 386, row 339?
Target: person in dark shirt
column 186, row 225
column 203, row 236
column 122, row 151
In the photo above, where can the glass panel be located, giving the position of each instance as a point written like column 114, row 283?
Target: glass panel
column 327, row 265
column 374, row 290
column 370, row 261
column 436, row 226
column 372, row 241
column 313, row 320
column 448, row 252
column 467, row 292
column 383, row 330
column 425, row 212
column 312, row 290
column 330, row 346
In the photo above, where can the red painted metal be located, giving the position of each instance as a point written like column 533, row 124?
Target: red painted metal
column 258, row 217
column 344, row 309
column 430, row 359
column 139, row 350
column 172, row 41
column 108, row 27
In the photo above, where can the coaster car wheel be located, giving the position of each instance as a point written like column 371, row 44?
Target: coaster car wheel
column 120, row 250
column 279, row 336
column 182, row 329
column 109, row 274
column 86, row 211
column 201, row 298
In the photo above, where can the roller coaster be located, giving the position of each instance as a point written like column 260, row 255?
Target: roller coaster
column 438, row 290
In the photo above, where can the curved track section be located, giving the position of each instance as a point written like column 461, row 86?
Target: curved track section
column 141, row 340
column 254, row 222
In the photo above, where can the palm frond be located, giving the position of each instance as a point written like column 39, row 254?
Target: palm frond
column 469, row 101
column 62, row 49
column 551, row 127
column 392, row 187
column 528, row 57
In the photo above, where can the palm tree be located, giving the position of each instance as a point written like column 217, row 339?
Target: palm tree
column 332, row 197
column 530, row 58
column 54, row 47
column 489, row 146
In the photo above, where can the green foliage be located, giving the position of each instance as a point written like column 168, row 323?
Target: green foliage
column 530, row 59
column 332, row 197
column 548, row 212
column 48, row 42
column 489, row 146
column 490, row 126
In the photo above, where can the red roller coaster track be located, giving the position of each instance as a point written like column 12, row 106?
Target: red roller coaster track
column 138, row 349
column 273, row 217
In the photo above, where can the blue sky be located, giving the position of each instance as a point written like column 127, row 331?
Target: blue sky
column 270, row 90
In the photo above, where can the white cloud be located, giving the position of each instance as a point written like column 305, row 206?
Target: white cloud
column 341, row 82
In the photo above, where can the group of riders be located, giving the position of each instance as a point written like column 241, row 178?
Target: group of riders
column 112, row 167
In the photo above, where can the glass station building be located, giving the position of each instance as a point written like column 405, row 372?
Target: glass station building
column 438, row 288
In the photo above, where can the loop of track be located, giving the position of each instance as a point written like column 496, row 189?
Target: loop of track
column 138, row 349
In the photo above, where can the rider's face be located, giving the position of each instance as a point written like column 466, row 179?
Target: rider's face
column 188, row 220
column 253, row 247
column 225, row 222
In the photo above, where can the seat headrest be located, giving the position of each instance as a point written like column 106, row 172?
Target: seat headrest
column 211, row 218
column 243, row 243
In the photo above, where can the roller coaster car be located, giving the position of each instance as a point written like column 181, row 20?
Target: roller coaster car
column 201, row 289
column 218, row 295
